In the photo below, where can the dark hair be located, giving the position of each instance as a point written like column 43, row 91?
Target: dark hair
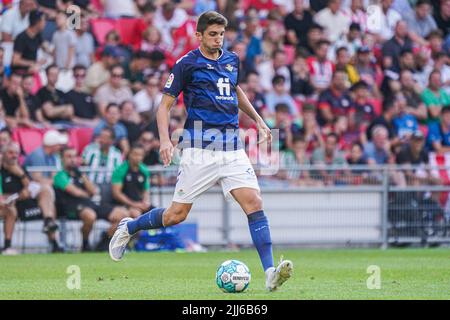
column 148, row 7
column 65, row 149
column 321, row 43
column 298, row 137
column 278, row 79
column 209, row 18
column 136, row 145
column 251, row 72
column 35, row 17
column 111, row 105
column 360, row 85
column 445, row 109
column 6, row 130
column 388, row 104
column 124, row 103
column 282, row 107
column 52, row 66
column 422, row 2
column 78, row 67
column 338, row 50
column 111, row 132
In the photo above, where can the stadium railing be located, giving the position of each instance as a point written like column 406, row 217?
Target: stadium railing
column 310, row 206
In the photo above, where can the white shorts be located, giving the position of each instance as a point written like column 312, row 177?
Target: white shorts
column 200, row 169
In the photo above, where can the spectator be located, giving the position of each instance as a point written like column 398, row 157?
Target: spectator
column 343, row 62
column 270, row 68
column 84, row 44
column 31, row 100
column 167, row 18
column 54, row 105
column 390, row 111
column 442, row 17
column 14, row 104
column 411, row 90
column 311, row 130
column 253, row 43
column 98, row 73
column 111, row 120
column 335, row 100
column 131, row 183
column 350, row 41
column 124, row 8
column 16, row 181
column 147, row 100
column 405, row 123
column 399, row 43
column 102, row 155
column 64, row 42
column 333, row 20
column 297, row 24
column 73, row 196
column 356, row 156
column 364, row 111
column 434, row 97
column 388, row 19
column 85, row 109
column 286, row 127
column 151, row 148
column 124, row 52
column 131, row 120
column 152, row 40
column 279, row 95
column 135, row 70
column 16, row 20
column 47, row 155
column 377, row 151
column 368, row 70
column 147, row 19
column 313, row 37
column 357, row 13
column 273, row 37
column 114, row 91
column 421, row 23
column 320, row 68
column 5, row 137
column 28, row 42
column 439, row 133
column 300, row 79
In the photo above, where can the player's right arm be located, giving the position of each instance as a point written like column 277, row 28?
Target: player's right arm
column 162, row 118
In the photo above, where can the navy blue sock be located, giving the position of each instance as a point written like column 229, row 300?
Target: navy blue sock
column 150, row 220
column 260, row 232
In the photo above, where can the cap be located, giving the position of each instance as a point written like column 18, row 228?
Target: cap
column 53, row 138
column 364, row 49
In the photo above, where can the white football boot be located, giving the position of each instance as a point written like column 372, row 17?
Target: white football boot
column 119, row 241
column 10, row 252
column 276, row 277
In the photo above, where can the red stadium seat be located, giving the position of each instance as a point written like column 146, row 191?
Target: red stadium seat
column 101, row 27
column 127, row 28
column 29, row 139
column 83, row 137
column 98, row 5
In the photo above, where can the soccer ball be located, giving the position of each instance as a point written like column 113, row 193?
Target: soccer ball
column 233, row 276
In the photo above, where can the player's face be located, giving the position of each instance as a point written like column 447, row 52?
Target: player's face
column 212, row 38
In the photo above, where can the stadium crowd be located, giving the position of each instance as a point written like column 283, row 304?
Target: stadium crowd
column 345, row 82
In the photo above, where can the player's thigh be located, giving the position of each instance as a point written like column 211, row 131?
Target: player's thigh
column 197, row 173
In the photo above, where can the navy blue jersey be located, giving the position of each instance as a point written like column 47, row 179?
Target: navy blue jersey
column 209, row 91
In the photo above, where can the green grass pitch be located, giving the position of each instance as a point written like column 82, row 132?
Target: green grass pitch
column 318, row 274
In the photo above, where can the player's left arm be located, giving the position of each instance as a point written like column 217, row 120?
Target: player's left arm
column 246, row 106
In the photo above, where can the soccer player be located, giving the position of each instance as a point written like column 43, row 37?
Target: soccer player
column 211, row 149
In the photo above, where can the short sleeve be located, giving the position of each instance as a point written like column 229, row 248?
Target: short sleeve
column 119, row 174
column 19, row 44
column 176, row 80
column 61, row 180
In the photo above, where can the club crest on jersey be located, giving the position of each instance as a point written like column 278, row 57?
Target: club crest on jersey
column 169, row 81
column 229, row 67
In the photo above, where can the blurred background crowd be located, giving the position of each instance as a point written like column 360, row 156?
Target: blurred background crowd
column 345, row 81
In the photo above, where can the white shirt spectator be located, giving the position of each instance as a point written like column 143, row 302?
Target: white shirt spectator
column 144, row 102
column 115, row 9
column 13, row 23
column 381, row 23
column 267, row 72
column 334, row 24
column 166, row 26
column 84, row 48
column 63, row 40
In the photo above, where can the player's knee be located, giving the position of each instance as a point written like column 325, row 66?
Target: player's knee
column 88, row 216
column 254, row 204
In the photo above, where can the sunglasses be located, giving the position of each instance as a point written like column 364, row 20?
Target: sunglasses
column 117, row 75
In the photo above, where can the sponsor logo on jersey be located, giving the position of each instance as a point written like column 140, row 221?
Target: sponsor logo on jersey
column 169, row 81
